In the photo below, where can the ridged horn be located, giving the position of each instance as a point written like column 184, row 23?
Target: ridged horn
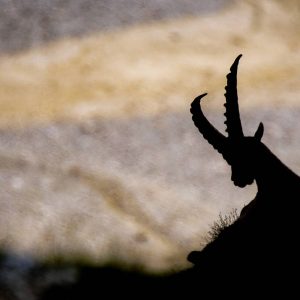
column 232, row 114
column 210, row 133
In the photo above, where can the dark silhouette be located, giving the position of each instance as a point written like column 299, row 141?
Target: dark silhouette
column 262, row 242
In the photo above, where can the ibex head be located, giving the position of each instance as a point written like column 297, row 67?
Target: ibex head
column 237, row 150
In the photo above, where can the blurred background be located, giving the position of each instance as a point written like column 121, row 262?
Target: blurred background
column 99, row 157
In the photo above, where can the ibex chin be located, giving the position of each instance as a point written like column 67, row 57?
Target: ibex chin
column 268, row 224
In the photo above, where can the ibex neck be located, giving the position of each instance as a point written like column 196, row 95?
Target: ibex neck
column 273, row 177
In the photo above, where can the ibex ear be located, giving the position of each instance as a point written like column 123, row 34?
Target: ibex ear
column 259, row 132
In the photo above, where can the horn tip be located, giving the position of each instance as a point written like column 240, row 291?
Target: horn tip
column 196, row 102
column 235, row 63
column 238, row 58
column 198, row 98
column 202, row 95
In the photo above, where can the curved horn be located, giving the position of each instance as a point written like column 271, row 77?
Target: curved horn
column 210, row 133
column 232, row 114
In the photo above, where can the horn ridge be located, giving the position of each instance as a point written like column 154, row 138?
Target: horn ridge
column 233, row 121
column 209, row 132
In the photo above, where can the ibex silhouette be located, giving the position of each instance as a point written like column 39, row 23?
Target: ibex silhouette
column 268, row 224
column 248, row 157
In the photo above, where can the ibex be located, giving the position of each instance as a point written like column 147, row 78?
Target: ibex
column 266, row 224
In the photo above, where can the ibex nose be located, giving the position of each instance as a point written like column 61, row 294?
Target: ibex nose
column 194, row 256
column 237, row 182
column 240, row 183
